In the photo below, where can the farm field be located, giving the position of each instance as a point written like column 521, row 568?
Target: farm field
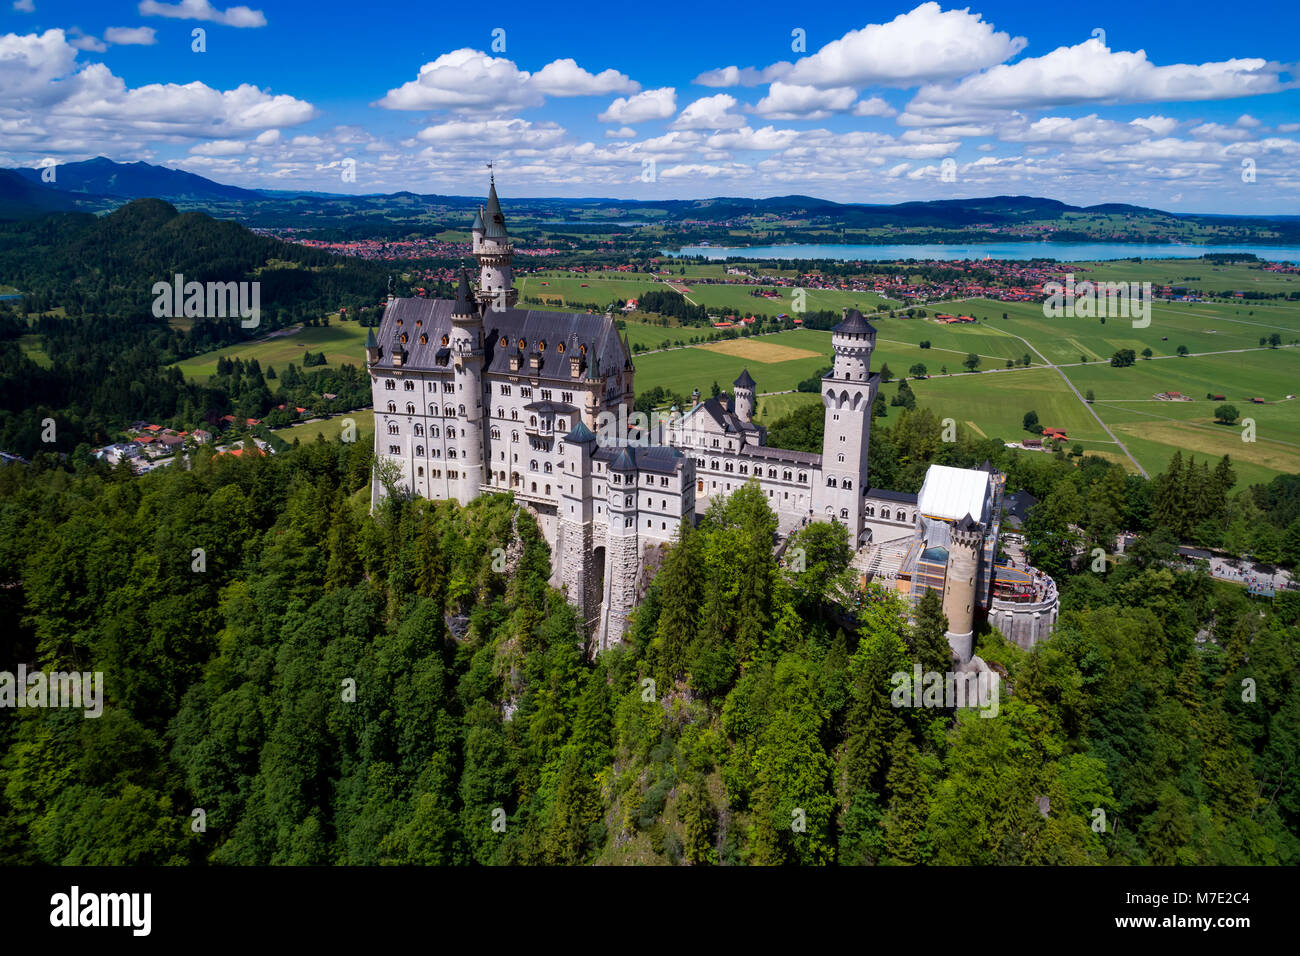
column 342, row 342
column 777, row 362
column 772, row 408
column 993, row 402
column 331, row 428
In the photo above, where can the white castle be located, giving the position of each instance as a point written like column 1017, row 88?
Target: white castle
column 473, row 396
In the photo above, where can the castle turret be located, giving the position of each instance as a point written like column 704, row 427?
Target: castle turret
column 582, row 569
column 466, row 344
column 372, row 347
column 743, row 402
column 495, row 254
column 623, row 560
column 476, row 231
column 964, row 544
column 848, row 392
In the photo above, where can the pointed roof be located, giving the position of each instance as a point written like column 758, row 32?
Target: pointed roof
column 966, row 523
column 626, row 460
column 371, row 342
column 745, row 381
column 580, row 433
column 854, row 324
column 477, row 225
column 494, row 220
column 464, row 297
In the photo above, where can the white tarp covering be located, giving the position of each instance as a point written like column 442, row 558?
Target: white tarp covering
column 953, row 493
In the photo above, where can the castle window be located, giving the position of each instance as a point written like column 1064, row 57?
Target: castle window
column 884, row 514
column 394, row 449
column 582, row 350
column 448, row 388
column 389, row 384
column 419, row 429
column 424, row 338
column 848, row 483
column 841, row 457
column 449, row 412
column 504, row 341
column 433, row 409
column 532, row 465
column 534, row 487
column 419, row 451
column 786, row 475
column 566, row 397
column 419, row 472
column 627, row 522
column 451, row 453
column 541, row 345
column 901, row 516
column 771, row 473
column 830, row 482
column 444, row 340
column 546, row 394
column 501, row 412
column 392, row 406
column 803, row 476
column 392, row 428
column 505, row 389
column 462, row 409
column 561, row 426
column 870, row 511
column 548, row 489
column 514, row 436
column 523, row 344
column 560, row 348
column 546, row 467
column 410, row 408
column 532, row 420
column 434, row 431
column 514, row 414
column 526, row 391
column 744, row 469
column 496, row 433
column 844, row 513
column 628, row 502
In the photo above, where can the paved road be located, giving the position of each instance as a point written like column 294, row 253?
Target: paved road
column 1091, row 411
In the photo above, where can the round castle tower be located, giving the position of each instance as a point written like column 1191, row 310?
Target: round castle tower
column 743, row 397
column 466, row 344
column 965, row 541
column 495, row 253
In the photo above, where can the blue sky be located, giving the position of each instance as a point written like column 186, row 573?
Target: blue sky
column 1094, row 102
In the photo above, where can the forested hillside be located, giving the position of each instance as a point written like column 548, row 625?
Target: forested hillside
column 748, row 694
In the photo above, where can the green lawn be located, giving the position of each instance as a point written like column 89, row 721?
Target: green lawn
column 342, row 342
column 331, row 427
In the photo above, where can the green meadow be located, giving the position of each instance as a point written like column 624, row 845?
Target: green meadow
column 330, row 428
column 344, row 343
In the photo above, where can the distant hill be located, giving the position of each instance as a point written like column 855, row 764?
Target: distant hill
column 21, row 198
column 103, row 177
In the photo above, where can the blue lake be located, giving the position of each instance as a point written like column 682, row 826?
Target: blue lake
column 1062, row 251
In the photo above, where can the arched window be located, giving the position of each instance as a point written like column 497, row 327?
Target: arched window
column 830, row 482
column 532, row 465
column 419, row 472
column 409, row 385
column 848, row 483
column 433, row 409
column 433, row 431
column 389, row 385
column 532, row 419
column 870, row 511
column 844, row 513
column 546, row 466
column 548, row 489
column 419, row 451
column 514, row 436
column 496, row 433
column 901, row 516
column 462, row 409
column 392, row 406
column 451, row 453
column 786, row 475
column 392, row 428
column 501, row 412
column 419, row 429
column 884, row 513
column 410, row 408
column 514, row 414
column 449, row 412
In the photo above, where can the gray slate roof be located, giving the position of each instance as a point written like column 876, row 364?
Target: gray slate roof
column 572, row 329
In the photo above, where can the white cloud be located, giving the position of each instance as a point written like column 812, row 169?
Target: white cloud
column 566, row 78
column 1246, row 121
column 874, row 107
column 925, row 44
column 220, row 147
column 623, row 132
column 710, row 112
column 465, row 79
column 648, row 105
column 24, row 6
column 1091, row 73
column 130, row 36
column 788, row 101
column 84, row 41
column 767, row 138
column 746, row 76
column 700, row 171
column 1160, row 125
column 203, row 10
column 471, row 134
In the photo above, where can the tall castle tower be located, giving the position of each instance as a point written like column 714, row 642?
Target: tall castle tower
column 744, row 396
column 466, row 343
column 848, row 392
column 495, row 253
column 964, row 544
